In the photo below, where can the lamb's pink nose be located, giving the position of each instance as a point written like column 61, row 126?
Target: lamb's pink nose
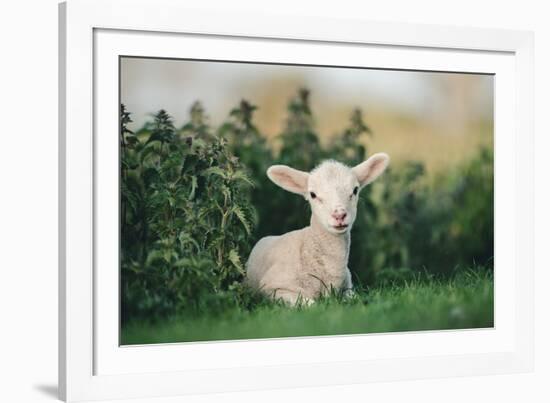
column 339, row 214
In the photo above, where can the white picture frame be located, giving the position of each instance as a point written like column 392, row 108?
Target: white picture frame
column 93, row 34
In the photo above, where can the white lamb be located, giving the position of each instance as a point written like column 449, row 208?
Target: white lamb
column 302, row 265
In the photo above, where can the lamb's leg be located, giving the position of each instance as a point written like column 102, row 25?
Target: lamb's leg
column 348, row 285
column 290, row 297
column 280, row 283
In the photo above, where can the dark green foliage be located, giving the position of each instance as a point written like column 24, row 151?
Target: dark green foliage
column 255, row 155
column 163, row 129
column 186, row 219
column 348, row 146
column 300, row 146
column 435, row 227
column 197, row 127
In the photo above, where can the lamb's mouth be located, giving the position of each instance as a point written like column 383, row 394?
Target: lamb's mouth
column 340, row 227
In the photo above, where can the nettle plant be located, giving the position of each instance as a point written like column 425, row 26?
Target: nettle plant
column 185, row 217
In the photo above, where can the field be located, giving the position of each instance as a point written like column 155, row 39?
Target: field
column 465, row 301
column 195, row 199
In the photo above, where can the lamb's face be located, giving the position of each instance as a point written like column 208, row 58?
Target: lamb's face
column 332, row 192
column 332, row 188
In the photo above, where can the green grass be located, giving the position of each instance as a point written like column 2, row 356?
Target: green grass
column 466, row 301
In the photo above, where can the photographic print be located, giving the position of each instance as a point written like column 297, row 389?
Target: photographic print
column 272, row 200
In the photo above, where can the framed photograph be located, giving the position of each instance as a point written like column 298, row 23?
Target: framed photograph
column 256, row 201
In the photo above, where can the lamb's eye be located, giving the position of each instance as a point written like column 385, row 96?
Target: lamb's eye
column 355, row 190
column 313, row 195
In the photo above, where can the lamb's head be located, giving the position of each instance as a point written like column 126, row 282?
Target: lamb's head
column 332, row 188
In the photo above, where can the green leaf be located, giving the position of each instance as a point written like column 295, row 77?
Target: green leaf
column 241, row 175
column 242, row 218
column 215, row 171
column 146, row 152
column 156, row 136
column 236, row 260
column 185, row 238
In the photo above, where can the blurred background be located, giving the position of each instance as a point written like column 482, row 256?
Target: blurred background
column 437, row 118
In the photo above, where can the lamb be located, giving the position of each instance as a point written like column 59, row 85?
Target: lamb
column 302, row 265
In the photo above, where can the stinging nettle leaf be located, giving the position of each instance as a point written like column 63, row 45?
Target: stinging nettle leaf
column 215, row 171
column 242, row 175
column 242, row 218
column 236, row 260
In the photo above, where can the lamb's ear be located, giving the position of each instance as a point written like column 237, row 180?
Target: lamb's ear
column 371, row 169
column 289, row 178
